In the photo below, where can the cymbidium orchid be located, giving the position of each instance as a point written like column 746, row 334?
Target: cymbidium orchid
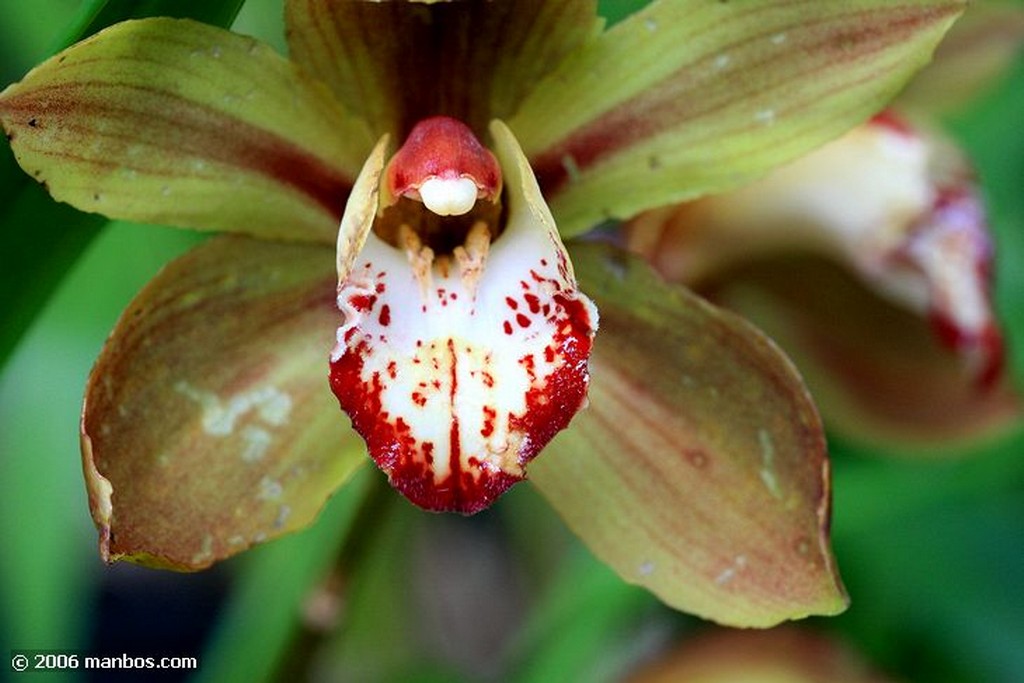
column 457, row 145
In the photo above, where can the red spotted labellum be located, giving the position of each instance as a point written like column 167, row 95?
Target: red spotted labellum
column 465, row 341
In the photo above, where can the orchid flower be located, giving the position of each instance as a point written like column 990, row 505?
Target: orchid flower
column 457, row 145
column 897, row 204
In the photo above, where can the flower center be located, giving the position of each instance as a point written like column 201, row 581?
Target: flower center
column 442, row 168
column 465, row 342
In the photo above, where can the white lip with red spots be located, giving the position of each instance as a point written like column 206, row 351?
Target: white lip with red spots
column 458, row 370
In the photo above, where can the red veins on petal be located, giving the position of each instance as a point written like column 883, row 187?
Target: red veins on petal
column 445, row 148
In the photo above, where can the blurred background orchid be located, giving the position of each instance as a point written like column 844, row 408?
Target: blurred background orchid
column 929, row 549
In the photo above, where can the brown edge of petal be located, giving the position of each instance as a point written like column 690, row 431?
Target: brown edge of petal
column 101, row 506
column 100, row 492
column 812, row 429
column 824, row 514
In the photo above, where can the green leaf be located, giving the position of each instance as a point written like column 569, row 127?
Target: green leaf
column 699, row 469
column 96, row 15
column 42, row 238
column 366, row 579
column 691, row 96
column 906, row 532
column 49, row 570
column 41, row 241
column 614, row 11
column 263, row 614
column 208, row 425
column 582, row 627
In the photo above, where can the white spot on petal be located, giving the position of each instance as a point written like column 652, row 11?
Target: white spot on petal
column 729, row 574
column 256, row 442
column 270, row 489
column 765, row 117
column 205, row 551
column 283, row 513
column 771, row 482
column 572, row 169
column 219, row 417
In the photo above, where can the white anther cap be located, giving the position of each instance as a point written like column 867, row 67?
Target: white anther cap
column 448, row 196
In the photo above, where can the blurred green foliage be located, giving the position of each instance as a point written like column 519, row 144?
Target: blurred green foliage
column 931, row 551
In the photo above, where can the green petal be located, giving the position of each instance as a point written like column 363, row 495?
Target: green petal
column 879, row 373
column 692, row 96
column 396, row 63
column 208, row 423
column 175, row 122
column 699, row 470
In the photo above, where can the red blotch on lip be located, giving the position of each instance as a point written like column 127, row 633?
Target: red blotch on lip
column 443, row 147
column 551, row 406
column 551, row 403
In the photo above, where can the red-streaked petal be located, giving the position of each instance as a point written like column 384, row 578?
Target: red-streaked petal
column 208, row 425
column 855, row 197
column 396, row 63
column 699, row 470
column 175, row 122
column 687, row 98
column 458, row 374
